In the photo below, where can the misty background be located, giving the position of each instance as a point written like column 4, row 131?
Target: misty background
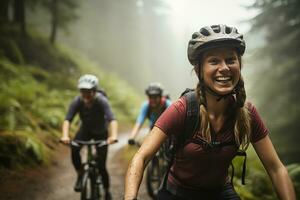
column 45, row 45
column 146, row 40
column 143, row 41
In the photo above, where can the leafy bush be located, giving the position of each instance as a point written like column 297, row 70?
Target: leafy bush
column 21, row 148
column 294, row 172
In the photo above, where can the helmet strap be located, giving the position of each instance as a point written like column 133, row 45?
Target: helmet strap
column 219, row 96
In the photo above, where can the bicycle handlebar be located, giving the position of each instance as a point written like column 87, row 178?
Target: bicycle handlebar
column 98, row 143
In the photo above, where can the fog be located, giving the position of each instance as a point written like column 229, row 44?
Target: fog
column 145, row 41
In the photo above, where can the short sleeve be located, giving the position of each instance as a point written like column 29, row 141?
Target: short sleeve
column 109, row 115
column 258, row 128
column 172, row 119
column 143, row 112
column 73, row 109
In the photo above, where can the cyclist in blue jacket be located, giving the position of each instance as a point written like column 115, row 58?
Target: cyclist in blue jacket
column 151, row 109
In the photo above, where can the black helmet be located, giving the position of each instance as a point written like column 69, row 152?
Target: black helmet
column 211, row 37
column 154, row 89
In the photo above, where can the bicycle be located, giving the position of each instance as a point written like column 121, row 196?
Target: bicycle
column 156, row 170
column 91, row 179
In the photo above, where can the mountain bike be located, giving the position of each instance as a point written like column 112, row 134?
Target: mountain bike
column 91, row 184
column 156, row 170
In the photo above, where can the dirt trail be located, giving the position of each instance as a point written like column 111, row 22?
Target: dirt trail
column 56, row 181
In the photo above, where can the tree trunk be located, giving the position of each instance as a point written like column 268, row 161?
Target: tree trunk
column 4, row 4
column 54, row 21
column 19, row 15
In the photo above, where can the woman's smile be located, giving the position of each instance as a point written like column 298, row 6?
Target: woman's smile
column 223, row 80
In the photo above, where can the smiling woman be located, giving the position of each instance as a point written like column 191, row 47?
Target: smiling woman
column 225, row 124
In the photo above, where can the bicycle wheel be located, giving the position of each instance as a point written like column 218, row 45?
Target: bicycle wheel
column 97, row 187
column 88, row 186
column 154, row 177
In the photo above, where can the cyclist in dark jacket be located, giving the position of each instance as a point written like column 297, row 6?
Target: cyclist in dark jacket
column 200, row 171
column 96, row 119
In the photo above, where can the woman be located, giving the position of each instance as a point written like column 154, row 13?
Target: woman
column 199, row 172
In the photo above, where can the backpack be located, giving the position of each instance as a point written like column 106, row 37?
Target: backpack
column 191, row 125
column 100, row 90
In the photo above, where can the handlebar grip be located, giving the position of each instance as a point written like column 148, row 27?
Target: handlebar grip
column 131, row 141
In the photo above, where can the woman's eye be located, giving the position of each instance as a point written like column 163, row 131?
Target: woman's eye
column 230, row 61
column 213, row 61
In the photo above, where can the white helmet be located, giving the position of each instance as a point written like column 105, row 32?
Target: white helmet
column 88, row 81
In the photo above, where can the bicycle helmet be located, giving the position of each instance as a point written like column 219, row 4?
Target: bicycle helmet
column 88, row 81
column 212, row 37
column 154, row 89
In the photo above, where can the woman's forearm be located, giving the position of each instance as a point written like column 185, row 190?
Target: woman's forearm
column 113, row 129
column 283, row 184
column 134, row 177
column 136, row 168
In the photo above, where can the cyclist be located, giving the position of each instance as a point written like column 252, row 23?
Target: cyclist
column 96, row 119
column 151, row 109
column 227, row 123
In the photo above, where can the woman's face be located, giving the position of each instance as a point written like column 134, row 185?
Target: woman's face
column 154, row 100
column 87, row 95
column 221, row 69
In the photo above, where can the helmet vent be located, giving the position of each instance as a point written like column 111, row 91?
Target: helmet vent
column 195, row 35
column 216, row 28
column 204, row 32
column 228, row 30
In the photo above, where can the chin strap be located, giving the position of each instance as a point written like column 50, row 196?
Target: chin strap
column 219, row 96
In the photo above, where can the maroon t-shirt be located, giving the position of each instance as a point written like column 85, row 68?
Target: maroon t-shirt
column 195, row 167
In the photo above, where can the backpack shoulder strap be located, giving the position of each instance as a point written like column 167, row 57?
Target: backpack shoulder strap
column 191, row 124
column 192, row 117
column 100, row 90
column 243, row 177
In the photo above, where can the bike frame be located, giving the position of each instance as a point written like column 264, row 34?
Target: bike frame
column 91, row 184
column 155, row 173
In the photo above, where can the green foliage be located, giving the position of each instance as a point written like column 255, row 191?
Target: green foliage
column 258, row 183
column 11, row 50
column 294, row 172
column 36, row 91
column 278, row 72
column 21, row 148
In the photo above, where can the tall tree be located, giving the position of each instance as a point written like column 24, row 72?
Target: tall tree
column 19, row 15
column 279, row 72
column 62, row 13
column 4, row 7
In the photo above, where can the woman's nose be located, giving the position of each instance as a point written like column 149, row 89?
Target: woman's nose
column 223, row 66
